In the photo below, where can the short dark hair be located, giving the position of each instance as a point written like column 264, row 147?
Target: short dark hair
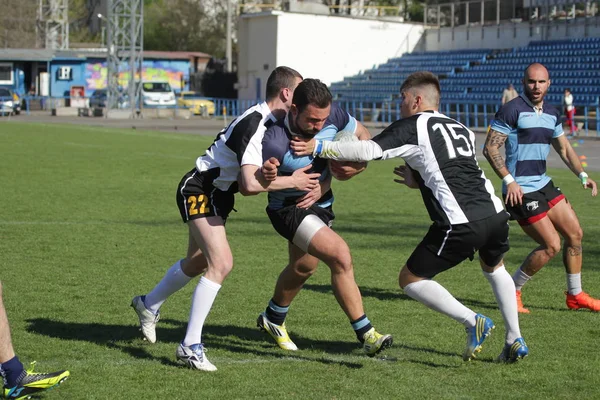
column 421, row 78
column 281, row 78
column 311, row 91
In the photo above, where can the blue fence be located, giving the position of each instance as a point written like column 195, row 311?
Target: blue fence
column 473, row 114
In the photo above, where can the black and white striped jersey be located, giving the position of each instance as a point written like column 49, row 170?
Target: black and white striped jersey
column 442, row 151
column 238, row 144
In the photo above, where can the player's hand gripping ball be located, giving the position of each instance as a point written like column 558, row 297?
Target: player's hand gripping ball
column 344, row 170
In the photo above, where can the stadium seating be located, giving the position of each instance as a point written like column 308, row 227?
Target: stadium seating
column 481, row 75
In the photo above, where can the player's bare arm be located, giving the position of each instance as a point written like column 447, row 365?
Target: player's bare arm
column 252, row 182
column 314, row 195
column 269, row 169
column 571, row 160
column 302, row 147
column 342, row 171
column 493, row 142
column 362, row 133
column 407, row 174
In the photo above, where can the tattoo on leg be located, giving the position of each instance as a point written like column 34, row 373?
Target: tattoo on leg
column 575, row 251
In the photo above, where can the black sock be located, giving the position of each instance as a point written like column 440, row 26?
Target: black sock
column 361, row 326
column 12, row 371
column 276, row 313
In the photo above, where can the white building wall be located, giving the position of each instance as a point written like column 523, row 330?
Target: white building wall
column 257, row 54
column 507, row 35
column 318, row 46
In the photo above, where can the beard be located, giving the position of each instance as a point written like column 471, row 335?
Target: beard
column 307, row 133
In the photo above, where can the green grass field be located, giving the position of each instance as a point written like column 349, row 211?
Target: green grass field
column 88, row 220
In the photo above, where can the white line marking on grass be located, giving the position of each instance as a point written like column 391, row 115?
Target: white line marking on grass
column 166, row 156
column 174, row 222
column 126, row 131
column 341, row 360
column 57, row 223
column 87, row 145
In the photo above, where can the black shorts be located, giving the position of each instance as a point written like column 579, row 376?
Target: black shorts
column 198, row 198
column 443, row 247
column 535, row 205
column 286, row 220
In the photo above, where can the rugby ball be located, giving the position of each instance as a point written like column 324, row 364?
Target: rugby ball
column 349, row 168
column 345, row 136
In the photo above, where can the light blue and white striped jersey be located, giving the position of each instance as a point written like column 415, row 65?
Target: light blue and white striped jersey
column 530, row 133
column 276, row 143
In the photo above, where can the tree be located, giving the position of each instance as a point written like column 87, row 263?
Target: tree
column 186, row 25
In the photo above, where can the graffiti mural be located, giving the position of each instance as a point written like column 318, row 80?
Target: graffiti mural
column 169, row 71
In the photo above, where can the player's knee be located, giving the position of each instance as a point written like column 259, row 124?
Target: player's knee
column 305, row 270
column 193, row 267
column 403, row 277
column 553, row 248
column 575, row 237
column 222, row 267
column 341, row 261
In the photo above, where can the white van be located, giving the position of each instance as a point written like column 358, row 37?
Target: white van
column 156, row 93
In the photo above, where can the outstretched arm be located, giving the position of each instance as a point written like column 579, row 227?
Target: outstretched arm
column 363, row 150
column 362, row 132
column 571, row 159
column 252, row 181
column 493, row 142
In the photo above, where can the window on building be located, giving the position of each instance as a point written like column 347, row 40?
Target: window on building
column 6, row 74
column 65, row 74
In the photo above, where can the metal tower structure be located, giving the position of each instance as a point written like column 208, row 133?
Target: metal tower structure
column 53, row 17
column 125, row 35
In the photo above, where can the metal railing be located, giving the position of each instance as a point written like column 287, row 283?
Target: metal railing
column 473, row 114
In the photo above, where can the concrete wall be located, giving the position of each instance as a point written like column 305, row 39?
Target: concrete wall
column 507, row 35
column 318, row 46
column 257, row 56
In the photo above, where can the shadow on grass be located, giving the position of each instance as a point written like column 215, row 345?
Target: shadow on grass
column 455, row 356
column 366, row 291
column 231, row 338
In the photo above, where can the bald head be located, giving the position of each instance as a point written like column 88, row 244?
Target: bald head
column 536, row 69
column 536, row 82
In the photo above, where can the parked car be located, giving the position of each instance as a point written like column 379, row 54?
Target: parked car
column 196, row 103
column 10, row 103
column 99, row 97
column 156, row 93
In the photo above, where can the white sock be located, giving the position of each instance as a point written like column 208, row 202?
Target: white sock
column 436, row 297
column 173, row 280
column 574, row 283
column 520, row 278
column 202, row 301
column 504, row 290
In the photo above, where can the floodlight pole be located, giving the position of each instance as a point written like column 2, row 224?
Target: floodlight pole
column 125, row 36
column 228, row 38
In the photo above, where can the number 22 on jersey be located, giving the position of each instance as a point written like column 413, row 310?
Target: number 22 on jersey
column 198, row 205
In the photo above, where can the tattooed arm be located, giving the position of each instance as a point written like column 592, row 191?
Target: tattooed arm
column 493, row 142
column 491, row 151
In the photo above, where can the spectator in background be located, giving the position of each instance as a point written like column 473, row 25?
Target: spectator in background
column 509, row 93
column 569, row 111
